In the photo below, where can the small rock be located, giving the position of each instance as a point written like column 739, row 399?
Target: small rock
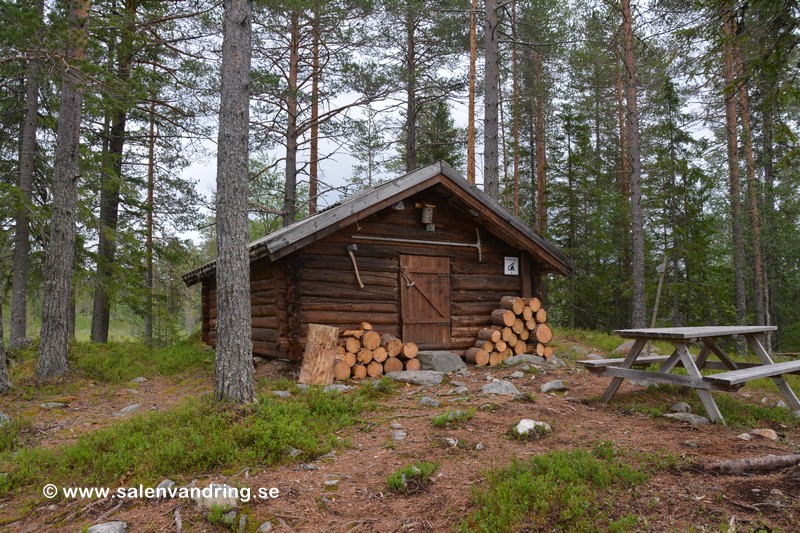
column 795, row 414
column 128, row 410
column 516, row 375
column 578, row 349
column 331, row 484
column 326, row 500
column 217, row 494
column 140, row 379
column 457, row 383
column 399, row 434
column 462, row 372
column 5, row 420
column 460, row 390
column 266, row 527
column 53, row 405
column 526, row 425
column 681, row 407
column 503, row 388
column 337, row 387
column 554, row 386
column 556, row 362
column 781, row 404
column 524, row 358
column 303, row 387
column 744, row 436
column 243, row 523
column 766, row 433
column 593, row 356
column 623, row 349
column 396, row 425
column 695, row 420
column 292, row 452
column 450, row 441
column 282, row 393
column 440, row 361
column 165, row 485
column 418, row 377
column 480, row 446
column 776, row 492
column 258, row 360
column 489, row 376
column 691, row 443
column 109, row 527
column 307, row 466
column 431, row 402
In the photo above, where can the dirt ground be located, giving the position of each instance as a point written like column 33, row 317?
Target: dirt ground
column 678, row 498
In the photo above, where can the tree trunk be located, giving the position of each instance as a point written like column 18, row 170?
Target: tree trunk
column 314, row 149
column 111, row 186
column 541, row 157
column 411, row 91
column 22, row 245
column 491, row 171
column 151, row 166
column 733, row 169
column 634, row 153
column 61, row 245
column 752, row 190
column 5, row 382
column 290, row 188
column 473, row 57
column 234, row 365
column 515, row 104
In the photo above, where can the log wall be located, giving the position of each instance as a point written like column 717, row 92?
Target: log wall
column 317, row 284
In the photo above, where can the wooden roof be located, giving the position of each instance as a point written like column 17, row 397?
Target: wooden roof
column 359, row 206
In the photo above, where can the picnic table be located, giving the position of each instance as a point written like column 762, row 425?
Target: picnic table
column 734, row 376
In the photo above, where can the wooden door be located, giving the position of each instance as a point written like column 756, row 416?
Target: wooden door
column 425, row 299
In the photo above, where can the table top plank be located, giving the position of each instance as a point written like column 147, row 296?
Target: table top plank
column 696, row 332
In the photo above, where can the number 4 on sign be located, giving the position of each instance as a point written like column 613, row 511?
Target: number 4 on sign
column 511, row 268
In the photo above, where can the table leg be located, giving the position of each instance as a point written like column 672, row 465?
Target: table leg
column 636, row 349
column 702, row 357
column 667, row 366
column 765, row 359
column 711, row 345
column 694, row 372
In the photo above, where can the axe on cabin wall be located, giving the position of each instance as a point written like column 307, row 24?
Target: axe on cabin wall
column 350, row 249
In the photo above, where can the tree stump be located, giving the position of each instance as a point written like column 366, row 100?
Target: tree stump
column 319, row 357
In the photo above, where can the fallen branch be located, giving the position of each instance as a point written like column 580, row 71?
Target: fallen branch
column 766, row 463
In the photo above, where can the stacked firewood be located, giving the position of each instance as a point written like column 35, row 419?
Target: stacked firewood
column 364, row 352
column 519, row 326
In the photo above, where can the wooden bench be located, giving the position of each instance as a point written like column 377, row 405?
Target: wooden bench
column 735, row 378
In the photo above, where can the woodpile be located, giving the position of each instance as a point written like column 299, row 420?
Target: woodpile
column 364, row 352
column 519, row 326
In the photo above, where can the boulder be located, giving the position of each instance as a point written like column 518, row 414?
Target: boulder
column 527, row 427
column 503, row 388
column 266, row 527
column 440, row 361
column 766, row 433
column 426, row 378
column 109, row 527
column 430, row 402
column 681, row 407
column 623, row 349
column 217, row 494
column 140, row 379
column 282, row 393
column 516, row 375
column 53, row 405
column 695, row 420
column 5, row 420
column 524, row 358
column 337, row 387
column 128, row 410
column 554, row 386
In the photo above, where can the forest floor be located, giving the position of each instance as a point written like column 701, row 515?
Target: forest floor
column 673, row 493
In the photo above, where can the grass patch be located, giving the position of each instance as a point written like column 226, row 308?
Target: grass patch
column 11, row 434
column 200, row 435
column 117, row 362
column 412, row 479
column 452, row 418
column 559, row 490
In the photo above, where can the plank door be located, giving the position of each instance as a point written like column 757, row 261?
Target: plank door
column 425, row 299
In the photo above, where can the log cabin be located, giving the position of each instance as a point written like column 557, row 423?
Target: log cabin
column 425, row 257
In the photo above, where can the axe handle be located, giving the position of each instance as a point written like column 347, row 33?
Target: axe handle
column 355, row 267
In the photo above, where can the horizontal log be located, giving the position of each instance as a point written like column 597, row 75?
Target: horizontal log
column 262, row 298
column 350, row 319
column 477, row 356
column 541, row 316
column 512, row 303
column 347, row 277
column 341, row 261
column 392, row 364
column 262, row 285
column 339, row 304
column 264, row 335
column 495, row 283
column 503, row 317
column 269, row 322
column 479, row 321
column 341, row 290
column 490, row 334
